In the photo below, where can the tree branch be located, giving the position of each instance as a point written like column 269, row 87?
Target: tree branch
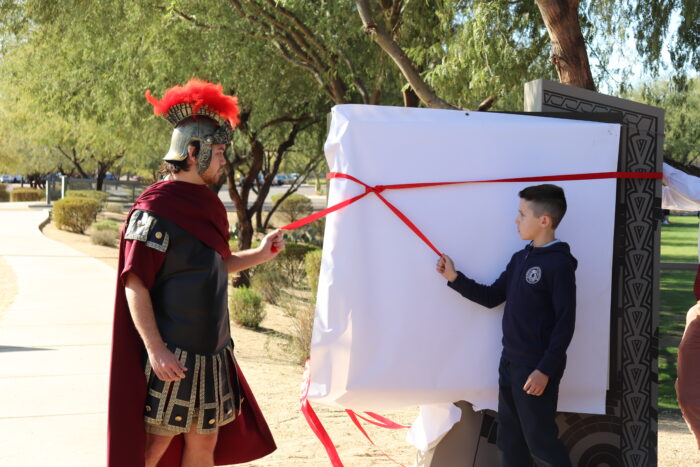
column 386, row 42
column 74, row 160
column 192, row 20
column 356, row 81
column 289, row 29
column 286, row 119
column 486, row 104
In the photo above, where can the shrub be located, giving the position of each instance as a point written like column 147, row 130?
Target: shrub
column 312, row 263
column 268, row 281
column 27, row 194
column 75, row 214
column 291, row 262
column 106, row 224
column 4, row 195
column 104, row 237
column 114, row 207
column 100, row 196
column 302, row 331
column 246, row 307
column 294, row 207
column 311, row 233
column 105, row 232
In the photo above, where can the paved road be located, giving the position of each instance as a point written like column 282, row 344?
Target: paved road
column 54, row 348
column 318, row 201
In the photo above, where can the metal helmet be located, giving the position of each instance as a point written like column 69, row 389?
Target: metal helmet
column 199, row 111
column 186, row 132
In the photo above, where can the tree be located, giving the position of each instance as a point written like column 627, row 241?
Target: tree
column 682, row 114
column 562, row 19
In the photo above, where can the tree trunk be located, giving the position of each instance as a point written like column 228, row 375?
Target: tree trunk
column 410, row 98
column 245, row 224
column 99, row 181
column 245, row 239
column 569, row 54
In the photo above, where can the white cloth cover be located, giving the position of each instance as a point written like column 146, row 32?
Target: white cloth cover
column 432, row 424
column 388, row 332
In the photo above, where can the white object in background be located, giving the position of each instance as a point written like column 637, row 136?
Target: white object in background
column 682, row 190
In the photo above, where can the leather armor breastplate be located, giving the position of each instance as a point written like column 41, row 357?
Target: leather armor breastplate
column 190, row 295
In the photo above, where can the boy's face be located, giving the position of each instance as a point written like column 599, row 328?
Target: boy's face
column 529, row 225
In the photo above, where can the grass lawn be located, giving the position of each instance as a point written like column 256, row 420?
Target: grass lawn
column 679, row 243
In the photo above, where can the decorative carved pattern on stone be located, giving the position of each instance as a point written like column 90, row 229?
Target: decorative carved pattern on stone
column 627, row 435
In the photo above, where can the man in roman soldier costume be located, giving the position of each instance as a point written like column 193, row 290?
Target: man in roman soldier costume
column 177, row 396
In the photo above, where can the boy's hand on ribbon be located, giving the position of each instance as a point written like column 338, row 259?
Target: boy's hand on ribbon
column 446, row 268
column 536, row 383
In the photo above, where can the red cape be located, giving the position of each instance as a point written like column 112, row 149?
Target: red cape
column 197, row 210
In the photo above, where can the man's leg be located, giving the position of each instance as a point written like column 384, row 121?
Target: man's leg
column 199, row 449
column 537, row 414
column 512, row 448
column 156, row 445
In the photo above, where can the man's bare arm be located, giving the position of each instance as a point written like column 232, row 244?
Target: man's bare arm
column 163, row 361
column 269, row 248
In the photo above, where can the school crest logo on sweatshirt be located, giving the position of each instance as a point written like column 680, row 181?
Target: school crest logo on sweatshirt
column 533, row 275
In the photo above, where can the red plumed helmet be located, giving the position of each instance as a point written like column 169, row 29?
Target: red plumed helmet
column 196, row 98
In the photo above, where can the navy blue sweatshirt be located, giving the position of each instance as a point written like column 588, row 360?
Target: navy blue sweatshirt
column 539, row 288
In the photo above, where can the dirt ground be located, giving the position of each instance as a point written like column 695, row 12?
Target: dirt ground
column 677, row 447
column 268, row 365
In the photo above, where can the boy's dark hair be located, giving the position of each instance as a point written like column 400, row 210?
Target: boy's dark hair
column 173, row 167
column 546, row 199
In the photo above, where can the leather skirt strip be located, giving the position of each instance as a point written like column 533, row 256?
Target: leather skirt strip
column 208, row 395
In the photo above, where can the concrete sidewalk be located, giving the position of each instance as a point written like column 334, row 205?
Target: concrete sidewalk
column 54, row 348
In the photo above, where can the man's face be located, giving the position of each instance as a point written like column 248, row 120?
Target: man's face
column 528, row 224
column 216, row 167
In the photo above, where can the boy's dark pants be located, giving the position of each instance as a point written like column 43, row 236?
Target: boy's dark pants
column 526, row 424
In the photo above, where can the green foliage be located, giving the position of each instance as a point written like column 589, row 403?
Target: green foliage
column 27, row 194
column 106, row 224
column 470, row 50
column 246, row 307
column 302, row 331
column 100, row 196
column 268, row 280
column 4, row 195
column 681, row 102
column 104, row 237
column 75, row 214
column 105, row 232
column 296, row 250
column 311, row 233
column 678, row 244
column 290, row 263
column 116, row 208
column 312, row 263
column 294, row 206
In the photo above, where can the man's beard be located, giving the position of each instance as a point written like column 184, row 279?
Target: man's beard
column 212, row 178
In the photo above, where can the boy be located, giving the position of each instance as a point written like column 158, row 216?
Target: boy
column 539, row 288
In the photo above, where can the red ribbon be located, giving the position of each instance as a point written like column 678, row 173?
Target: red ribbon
column 314, row 422
column 307, row 410
column 378, row 189
column 321, row 433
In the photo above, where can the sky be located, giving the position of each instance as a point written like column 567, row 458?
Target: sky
column 626, row 56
